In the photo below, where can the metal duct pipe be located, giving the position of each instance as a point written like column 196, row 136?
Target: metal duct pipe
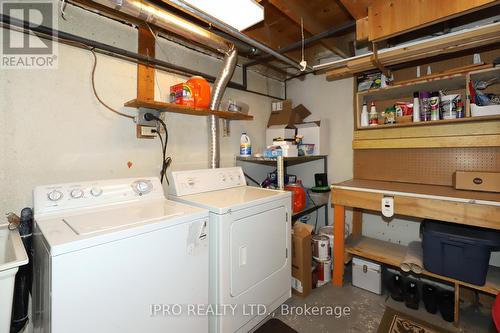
column 158, row 16
column 230, row 61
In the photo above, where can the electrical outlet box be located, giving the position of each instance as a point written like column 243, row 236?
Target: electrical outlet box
column 145, row 132
column 387, row 206
column 139, row 119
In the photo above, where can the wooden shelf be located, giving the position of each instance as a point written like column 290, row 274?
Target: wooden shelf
column 447, row 133
column 450, row 82
column 432, row 122
column 176, row 108
column 393, row 254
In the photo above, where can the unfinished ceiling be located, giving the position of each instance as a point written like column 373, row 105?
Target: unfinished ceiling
column 332, row 29
column 281, row 30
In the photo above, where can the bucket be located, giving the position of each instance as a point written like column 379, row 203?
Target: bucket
column 324, row 271
column 328, row 232
column 321, row 243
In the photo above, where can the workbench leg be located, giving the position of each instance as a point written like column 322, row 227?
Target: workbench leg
column 456, row 317
column 338, row 245
column 357, row 222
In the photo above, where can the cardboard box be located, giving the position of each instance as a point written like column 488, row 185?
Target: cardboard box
column 477, row 181
column 315, row 132
column 279, row 131
column 301, row 259
column 277, row 106
column 288, row 115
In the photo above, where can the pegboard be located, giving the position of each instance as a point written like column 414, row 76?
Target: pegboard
column 434, row 166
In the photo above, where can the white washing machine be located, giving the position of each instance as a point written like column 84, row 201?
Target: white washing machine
column 250, row 244
column 116, row 256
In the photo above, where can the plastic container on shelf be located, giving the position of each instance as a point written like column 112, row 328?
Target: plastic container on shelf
column 298, row 197
column 201, row 91
column 245, row 145
column 457, row 251
column 425, row 107
column 449, row 106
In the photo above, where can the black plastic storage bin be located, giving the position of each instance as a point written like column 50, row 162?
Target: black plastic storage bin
column 457, row 251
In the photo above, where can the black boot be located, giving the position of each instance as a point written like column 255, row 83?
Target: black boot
column 412, row 298
column 429, row 296
column 397, row 288
column 447, row 305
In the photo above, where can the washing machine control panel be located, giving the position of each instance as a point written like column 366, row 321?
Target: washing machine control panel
column 59, row 197
column 206, row 180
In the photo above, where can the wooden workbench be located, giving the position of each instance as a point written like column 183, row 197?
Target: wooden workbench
column 416, row 200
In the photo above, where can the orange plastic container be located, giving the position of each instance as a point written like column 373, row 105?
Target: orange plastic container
column 201, row 91
column 298, row 197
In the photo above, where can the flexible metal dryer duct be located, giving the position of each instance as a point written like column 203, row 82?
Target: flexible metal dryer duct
column 158, row 16
column 230, row 61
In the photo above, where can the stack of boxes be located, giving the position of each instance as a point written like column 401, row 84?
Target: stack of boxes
column 286, row 124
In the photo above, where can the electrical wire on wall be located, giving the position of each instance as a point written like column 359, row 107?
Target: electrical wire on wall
column 95, row 91
column 166, row 160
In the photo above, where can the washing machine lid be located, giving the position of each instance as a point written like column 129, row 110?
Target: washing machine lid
column 221, row 201
column 83, row 229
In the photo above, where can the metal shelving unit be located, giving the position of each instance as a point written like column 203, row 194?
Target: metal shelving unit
column 282, row 163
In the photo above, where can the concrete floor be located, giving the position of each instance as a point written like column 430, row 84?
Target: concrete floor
column 367, row 310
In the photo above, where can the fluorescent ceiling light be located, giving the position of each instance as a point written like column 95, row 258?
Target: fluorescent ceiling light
column 240, row 14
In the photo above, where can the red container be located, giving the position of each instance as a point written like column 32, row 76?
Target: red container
column 298, row 197
column 201, row 91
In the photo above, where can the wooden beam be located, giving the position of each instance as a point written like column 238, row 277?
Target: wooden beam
column 357, row 8
column 275, row 32
column 296, row 9
column 362, row 29
column 145, row 73
column 388, row 18
column 486, row 216
column 442, row 142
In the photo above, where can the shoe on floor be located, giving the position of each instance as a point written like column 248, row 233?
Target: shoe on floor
column 429, row 296
column 446, row 300
column 411, row 295
column 396, row 288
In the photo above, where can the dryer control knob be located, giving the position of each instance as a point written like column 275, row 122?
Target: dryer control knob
column 55, row 195
column 142, row 186
column 76, row 193
column 96, row 191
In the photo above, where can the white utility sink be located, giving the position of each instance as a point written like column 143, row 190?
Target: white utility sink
column 12, row 255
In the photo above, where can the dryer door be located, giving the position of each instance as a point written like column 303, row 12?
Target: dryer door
column 258, row 248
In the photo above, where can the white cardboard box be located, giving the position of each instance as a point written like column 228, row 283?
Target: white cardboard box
column 315, row 132
column 367, row 275
column 279, row 131
column 487, row 110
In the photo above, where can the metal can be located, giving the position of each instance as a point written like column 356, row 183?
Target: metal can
column 324, row 271
column 434, row 105
column 321, row 243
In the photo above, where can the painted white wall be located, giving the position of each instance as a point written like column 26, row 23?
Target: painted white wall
column 52, row 128
column 330, row 102
column 333, row 102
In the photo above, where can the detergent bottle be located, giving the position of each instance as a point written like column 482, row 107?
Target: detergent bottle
column 245, row 145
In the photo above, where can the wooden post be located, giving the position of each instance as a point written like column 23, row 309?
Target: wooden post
column 357, row 222
column 338, row 245
column 456, row 313
column 145, row 73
